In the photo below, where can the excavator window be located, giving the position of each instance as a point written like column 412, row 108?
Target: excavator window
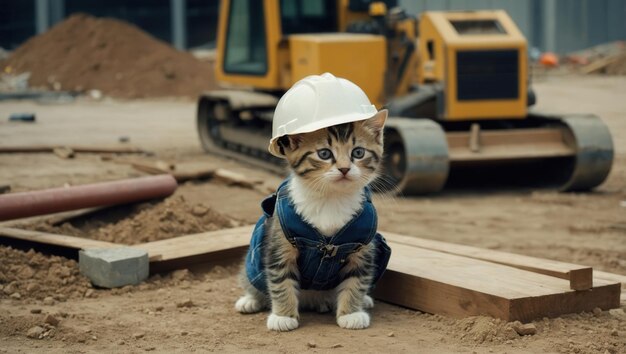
column 469, row 27
column 246, row 50
column 308, row 16
column 430, row 46
column 364, row 5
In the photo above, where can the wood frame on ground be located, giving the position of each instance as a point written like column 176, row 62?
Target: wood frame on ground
column 426, row 275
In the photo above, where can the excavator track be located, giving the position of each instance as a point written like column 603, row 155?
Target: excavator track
column 573, row 152
column 416, row 156
column 570, row 153
column 593, row 145
column 228, row 136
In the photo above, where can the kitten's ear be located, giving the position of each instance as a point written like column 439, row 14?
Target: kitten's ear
column 376, row 124
column 290, row 142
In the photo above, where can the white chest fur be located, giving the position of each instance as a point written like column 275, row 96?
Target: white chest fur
column 327, row 213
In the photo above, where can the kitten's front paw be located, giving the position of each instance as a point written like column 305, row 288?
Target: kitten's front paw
column 281, row 323
column 248, row 304
column 355, row 320
column 368, row 302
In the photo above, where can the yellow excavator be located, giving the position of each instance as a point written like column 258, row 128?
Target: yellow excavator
column 456, row 85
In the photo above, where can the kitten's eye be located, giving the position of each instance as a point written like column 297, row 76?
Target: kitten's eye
column 324, row 154
column 358, row 153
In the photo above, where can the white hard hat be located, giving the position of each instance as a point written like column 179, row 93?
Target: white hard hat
column 316, row 102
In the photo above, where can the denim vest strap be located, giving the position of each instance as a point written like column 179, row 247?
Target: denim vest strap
column 361, row 229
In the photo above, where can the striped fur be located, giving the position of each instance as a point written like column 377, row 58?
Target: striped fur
column 327, row 199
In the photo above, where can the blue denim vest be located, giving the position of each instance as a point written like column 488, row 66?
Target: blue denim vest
column 320, row 258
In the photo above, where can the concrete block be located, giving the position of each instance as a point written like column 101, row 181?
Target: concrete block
column 114, row 267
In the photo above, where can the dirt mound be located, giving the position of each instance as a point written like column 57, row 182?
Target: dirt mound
column 485, row 330
column 32, row 275
column 115, row 57
column 618, row 67
column 146, row 222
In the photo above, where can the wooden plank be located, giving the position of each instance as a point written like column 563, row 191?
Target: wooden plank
column 173, row 253
column 64, row 152
column 580, row 277
column 186, row 251
column 169, row 254
column 45, row 238
column 58, row 244
column 459, row 286
column 143, row 165
column 153, row 168
column 161, row 167
column 610, row 277
column 614, row 278
column 192, row 175
column 236, row 179
column 75, row 148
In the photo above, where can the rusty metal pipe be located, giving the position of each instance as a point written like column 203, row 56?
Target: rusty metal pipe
column 47, row 201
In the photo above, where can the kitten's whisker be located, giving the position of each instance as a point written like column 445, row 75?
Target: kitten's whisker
column 386, row 190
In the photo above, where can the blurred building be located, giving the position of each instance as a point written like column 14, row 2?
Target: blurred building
column 553, row 25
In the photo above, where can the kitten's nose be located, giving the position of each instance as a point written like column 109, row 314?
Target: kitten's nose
column 344, row 170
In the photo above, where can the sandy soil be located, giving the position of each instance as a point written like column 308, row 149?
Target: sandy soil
column 587, row 228
column 85, row 53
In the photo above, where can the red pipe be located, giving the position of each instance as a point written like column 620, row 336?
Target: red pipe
column 48, row 201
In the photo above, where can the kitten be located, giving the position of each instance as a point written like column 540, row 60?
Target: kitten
column 317, row 247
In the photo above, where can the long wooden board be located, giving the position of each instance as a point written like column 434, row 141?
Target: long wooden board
column 459, row 286
column 120, row 149
column 580, row 277
column 185, row 251
column 45, row 238
column 614, row 278
column 174, row 253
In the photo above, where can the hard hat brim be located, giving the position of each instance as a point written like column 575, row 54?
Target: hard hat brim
column 321, row 124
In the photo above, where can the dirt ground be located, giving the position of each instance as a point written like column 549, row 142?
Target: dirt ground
column 193, row 311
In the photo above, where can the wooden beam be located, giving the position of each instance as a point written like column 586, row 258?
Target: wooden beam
column 64, row 152
column 75, row 148
column 611, row 277
column 189, row 250
column 192, row 175
column 157, row 167
column 580, row 277
column 235, row 178
column 45, row 238
column 457, row 286
column 169, row 254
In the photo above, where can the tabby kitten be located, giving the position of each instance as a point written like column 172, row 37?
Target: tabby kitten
column 331, row 168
